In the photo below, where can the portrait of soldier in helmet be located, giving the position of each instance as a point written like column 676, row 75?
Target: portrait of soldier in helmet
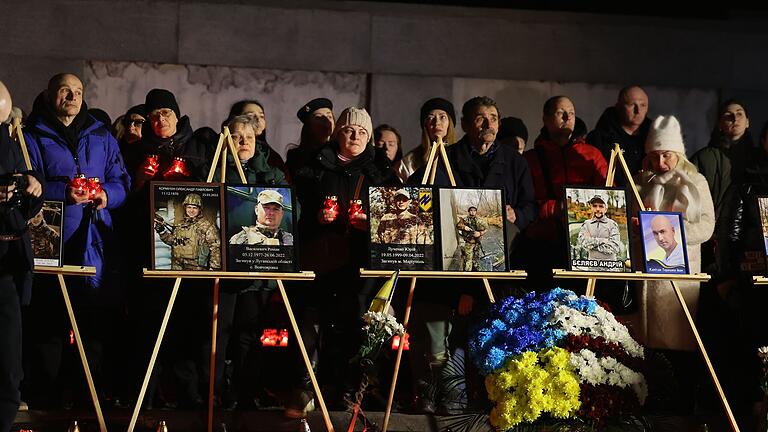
column 189, row 228
column 259, row 228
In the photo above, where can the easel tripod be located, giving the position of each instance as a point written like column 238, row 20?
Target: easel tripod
column 222, row 149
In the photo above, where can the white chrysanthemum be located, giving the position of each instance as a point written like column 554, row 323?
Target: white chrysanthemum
column 608, row 370
column 602, row 324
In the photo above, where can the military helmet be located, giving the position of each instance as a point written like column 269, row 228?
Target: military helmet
column 193, row 199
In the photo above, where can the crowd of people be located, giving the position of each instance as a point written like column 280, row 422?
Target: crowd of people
column 341, row 155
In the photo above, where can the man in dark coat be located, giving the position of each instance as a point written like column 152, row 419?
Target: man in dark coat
column 626, row 124
column 16, row 263
column 477, row 160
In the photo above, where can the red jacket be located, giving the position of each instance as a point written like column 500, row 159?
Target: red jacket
column 578, row 163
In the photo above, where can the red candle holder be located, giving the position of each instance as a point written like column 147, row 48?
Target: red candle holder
column 94, row 187
column 355, row 209
column 151, row 165
column 178, row 169
column 331, row 204
column 79, row 184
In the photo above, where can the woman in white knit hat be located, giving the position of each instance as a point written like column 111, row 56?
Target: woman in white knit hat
column 669, row 182
column 334, row 244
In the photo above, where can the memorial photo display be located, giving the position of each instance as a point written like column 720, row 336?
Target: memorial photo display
column 664, row 247
column 45, row 230
column 402, row 230
column 596, row 228
column 472, row 234
column 762, row 204
column 260, row 228
column 186, row 226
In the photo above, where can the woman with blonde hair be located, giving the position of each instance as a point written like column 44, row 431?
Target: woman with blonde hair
column 438, row 120
column 669, row 182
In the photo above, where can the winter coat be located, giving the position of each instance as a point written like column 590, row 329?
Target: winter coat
column 507, row 170
column 723, row 168
column 329, row 247
column 608, row 132
column 663, row 324
column 91, row 150
column 16, row 257
column 257, row 171
column 576, row 163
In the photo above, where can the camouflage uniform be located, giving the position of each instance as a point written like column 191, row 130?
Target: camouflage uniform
column 261, row 235
column 471, row 250
column 402, row 228
column 194, row 243
column 44, row 241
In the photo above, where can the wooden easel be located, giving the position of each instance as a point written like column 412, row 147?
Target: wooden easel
column 437, row 151
column 60, row 272
column 221, row 155
column 592, row 278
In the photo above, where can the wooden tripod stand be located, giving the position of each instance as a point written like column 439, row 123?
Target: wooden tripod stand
column 224, row 146
column 592, row 277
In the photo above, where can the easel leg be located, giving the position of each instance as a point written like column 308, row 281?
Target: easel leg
column 489, row 291
column 81, row 350
column 392, row 387
column 152, row 359
column 703, row 351
column 212, row 368
column 307, row 363
column 591, row 283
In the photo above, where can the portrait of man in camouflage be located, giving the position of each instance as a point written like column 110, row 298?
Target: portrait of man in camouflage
column 399, row 225
column 471, row 229
column 194, row 240
column 269, row 209
column 46, row 240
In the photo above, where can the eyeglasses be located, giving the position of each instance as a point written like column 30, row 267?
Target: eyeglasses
column 138, row 123
column 157, row 114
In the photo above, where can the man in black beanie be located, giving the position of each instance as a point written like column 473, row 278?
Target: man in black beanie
column 512, row 131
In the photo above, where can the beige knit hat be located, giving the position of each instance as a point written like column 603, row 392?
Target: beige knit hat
column 355, row 116
column 665, row 135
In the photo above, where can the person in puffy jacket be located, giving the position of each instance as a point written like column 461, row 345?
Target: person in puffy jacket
column 64, row 141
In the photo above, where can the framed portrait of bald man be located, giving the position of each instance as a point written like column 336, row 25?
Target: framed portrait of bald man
column 401, row 228
column 186, row 226
column 596, row 228
column 664, row 247
column 260, row 228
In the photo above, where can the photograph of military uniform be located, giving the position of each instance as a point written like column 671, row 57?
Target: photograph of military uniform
column 269, row 210
column 45, row 240
column 195, row 243
column 599, row 235
column 401, row 226
column 471, row 229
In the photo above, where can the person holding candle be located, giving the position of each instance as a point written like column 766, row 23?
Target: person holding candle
column 333, row 227
column 65, row 142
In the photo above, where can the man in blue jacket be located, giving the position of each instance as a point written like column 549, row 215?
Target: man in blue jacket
column 65, row 141
column 16, row 207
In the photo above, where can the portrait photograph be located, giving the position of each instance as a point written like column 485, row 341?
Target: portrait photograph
column 472, row 230
column 45, row 229
column 663, row 243
column 596, row 226
column 260, row 228
column 762, row 204
column 186, row 226
column 402, row 234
